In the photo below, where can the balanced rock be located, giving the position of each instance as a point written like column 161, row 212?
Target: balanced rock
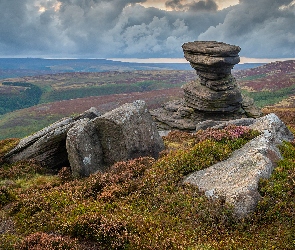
column 216, row 89
column 212, row 60
column 202, row 98
column 236, row 179
column 214, row 95
column 124, row 133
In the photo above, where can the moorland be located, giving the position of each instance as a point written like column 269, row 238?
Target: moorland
column 140, row 204
column 33, row 102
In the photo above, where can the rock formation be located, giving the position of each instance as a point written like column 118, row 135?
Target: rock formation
column 48, row 146
column 91, row 142
column 124, row 133
column 214, row 95
column 215, row 90
column 236, row 179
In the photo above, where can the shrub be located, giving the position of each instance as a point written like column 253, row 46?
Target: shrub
column 21, row 169
column 108, row 231
column 142, row 203
column 6, row 146
column 43, row 241
column 6, row 195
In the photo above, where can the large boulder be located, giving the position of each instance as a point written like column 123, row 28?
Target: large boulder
column 48, row 146
column 123, row 133
column 236, row 179
column 84, row 149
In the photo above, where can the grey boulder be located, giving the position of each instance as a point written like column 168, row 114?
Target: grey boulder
column 48, row 146
column 236, row 179
column 124, row 133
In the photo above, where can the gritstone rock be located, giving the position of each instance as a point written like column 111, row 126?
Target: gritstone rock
column 124, row 133
column 236, row 179
column 214, row 95
column 48, row 146
column 216, row 88
column 84, row 149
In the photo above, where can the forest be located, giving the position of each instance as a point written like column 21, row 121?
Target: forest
column 20, row 95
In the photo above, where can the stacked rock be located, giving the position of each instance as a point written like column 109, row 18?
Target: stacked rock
column 216, row 89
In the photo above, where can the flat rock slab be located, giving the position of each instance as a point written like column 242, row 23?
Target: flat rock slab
column 48, row 146
column 236, row 179
column 211, row 48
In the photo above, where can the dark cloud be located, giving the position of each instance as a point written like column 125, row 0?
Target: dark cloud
column 202, row 5
column 124, row 28
column 262, row 28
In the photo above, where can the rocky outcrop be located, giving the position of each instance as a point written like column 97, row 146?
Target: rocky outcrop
column 124, row 133
column 214, row 95
column 91, row 142
column 48, row 146
column 216, row 89
column 202, row 98
column 236, row 179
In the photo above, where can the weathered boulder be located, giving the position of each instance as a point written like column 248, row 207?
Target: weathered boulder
column 236, row 179
column 84, row 149
column 249, row 107
column 212, row 60
column 222, row 124
column 47, row 146
column 123, row 133
column 216, row 89
column 200, row 97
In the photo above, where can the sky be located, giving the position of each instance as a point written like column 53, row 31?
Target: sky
column 144, row 28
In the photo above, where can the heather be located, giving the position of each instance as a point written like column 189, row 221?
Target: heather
column 142, row 203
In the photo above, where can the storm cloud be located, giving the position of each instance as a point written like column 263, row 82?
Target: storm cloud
column 125, row 28
column 203, row 5
column 263, row 28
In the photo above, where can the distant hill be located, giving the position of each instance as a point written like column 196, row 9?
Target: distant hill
column 63, row 94
column 269, row 83
column 23, row 92
column 19, row 67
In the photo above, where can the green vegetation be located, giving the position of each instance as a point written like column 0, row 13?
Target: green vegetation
column 18, row 125
column 253, row 77
column 264, row 98
column 26, row 92
column 141, row 203
column 111, row 89
column 21, row 95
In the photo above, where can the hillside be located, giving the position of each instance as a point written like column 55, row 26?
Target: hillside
column 270, row 84
column 141, row 203
column 20, row 67
column 23, row 122
column 17, row 93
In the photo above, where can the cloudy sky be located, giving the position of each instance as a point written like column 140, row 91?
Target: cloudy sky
column 144, row 28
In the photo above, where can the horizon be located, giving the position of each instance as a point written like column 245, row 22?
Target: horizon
column 243, row 60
